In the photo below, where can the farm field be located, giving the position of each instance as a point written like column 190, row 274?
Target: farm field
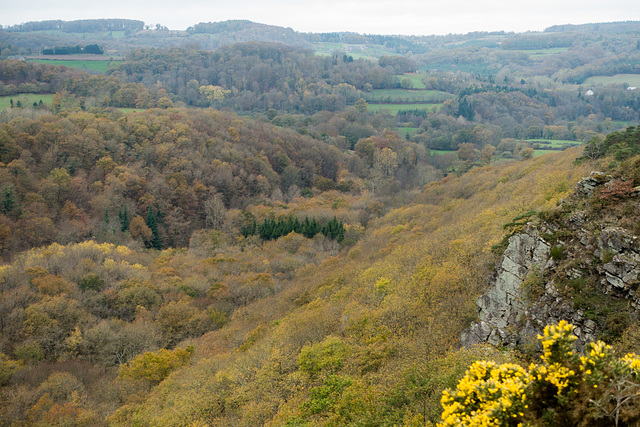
column 26, row 99
column 541, row 53
column 403, row 131
column 434, row 152
column 394, row 108
column 538, row 153
column 554, row 143
column 98, row 66
column 356, row 51
column 403, row 95
column 416, row 79
column 630, row 79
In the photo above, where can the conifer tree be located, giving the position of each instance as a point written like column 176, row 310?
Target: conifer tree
column 152, row 223
column 123, row 216
column 8, row 200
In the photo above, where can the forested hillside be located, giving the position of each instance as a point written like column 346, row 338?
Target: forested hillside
column 294, row 229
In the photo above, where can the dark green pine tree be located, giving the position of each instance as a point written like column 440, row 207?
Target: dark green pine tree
column 465, row 110
column 8, row 200
column 123, row 216
column 306, row 228
column 152, row 223
column 297, row 226
column 249, row 230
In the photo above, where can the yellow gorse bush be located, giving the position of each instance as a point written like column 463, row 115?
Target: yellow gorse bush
column 488, row 395
column 596, row 385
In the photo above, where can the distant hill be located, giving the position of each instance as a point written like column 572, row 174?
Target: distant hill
column 242, row 30
column 80, row 25
column 605, row 27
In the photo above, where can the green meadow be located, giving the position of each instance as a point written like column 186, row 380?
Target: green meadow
column 554, row 143
column 26, row 99
column 630, row 79
column 540, row 53
column 538, row 153
column 99, row 66
column 416, row 79
column 372, row 52
column 394, row 108
column 404, row 95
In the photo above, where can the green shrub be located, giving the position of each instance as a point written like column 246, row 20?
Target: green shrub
column 557, row 252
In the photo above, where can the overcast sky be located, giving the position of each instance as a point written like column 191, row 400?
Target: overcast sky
column 419, row 17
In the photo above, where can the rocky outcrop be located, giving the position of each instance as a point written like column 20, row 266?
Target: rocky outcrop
column 620, row 272
column 522, row 297
column 586, row 185
column 510, row 317
column 503, row 308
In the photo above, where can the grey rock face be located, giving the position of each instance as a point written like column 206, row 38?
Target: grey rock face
column 610, row 255
column 506, row 318
column 586, row 185
column 502, row 307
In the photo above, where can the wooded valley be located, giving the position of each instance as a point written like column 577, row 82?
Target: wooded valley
column 239, row 224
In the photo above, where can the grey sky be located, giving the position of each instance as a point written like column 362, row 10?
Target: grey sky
column 420, row 17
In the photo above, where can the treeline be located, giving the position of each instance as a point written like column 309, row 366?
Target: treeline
column 273, row 229
column 603, row 27
column 538, row 41
column 73, row 50
column 80, row 26
column 397, row 44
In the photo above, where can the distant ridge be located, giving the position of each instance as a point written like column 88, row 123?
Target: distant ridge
column 243, row 30
column 605, row 27
column 79, row 25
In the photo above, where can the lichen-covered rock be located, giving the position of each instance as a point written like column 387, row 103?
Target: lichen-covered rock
column 592, row 255
column 586, row 185
column 502, row 304
column 502, row 307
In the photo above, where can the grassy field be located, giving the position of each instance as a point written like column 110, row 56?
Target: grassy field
column 416, row 79
column 394, row 108
column 540, row 53
column 403, row 131
column 369, row 52
column 403, row 95
column 554, row 143
column 131, row 110
column 630, row 79
column 434, row 152
column 538, row 153
column 99, row 66
column 26, row 99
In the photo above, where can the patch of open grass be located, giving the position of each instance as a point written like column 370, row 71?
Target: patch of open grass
column 402, row 131
column 538, row 153
column 131, row 110
column 99, row 66
column 541, row 53
column 554, row 143
column 404, row 95
column 630, row 79
column 394, row 108
column 416, row 79
column 26, row 99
